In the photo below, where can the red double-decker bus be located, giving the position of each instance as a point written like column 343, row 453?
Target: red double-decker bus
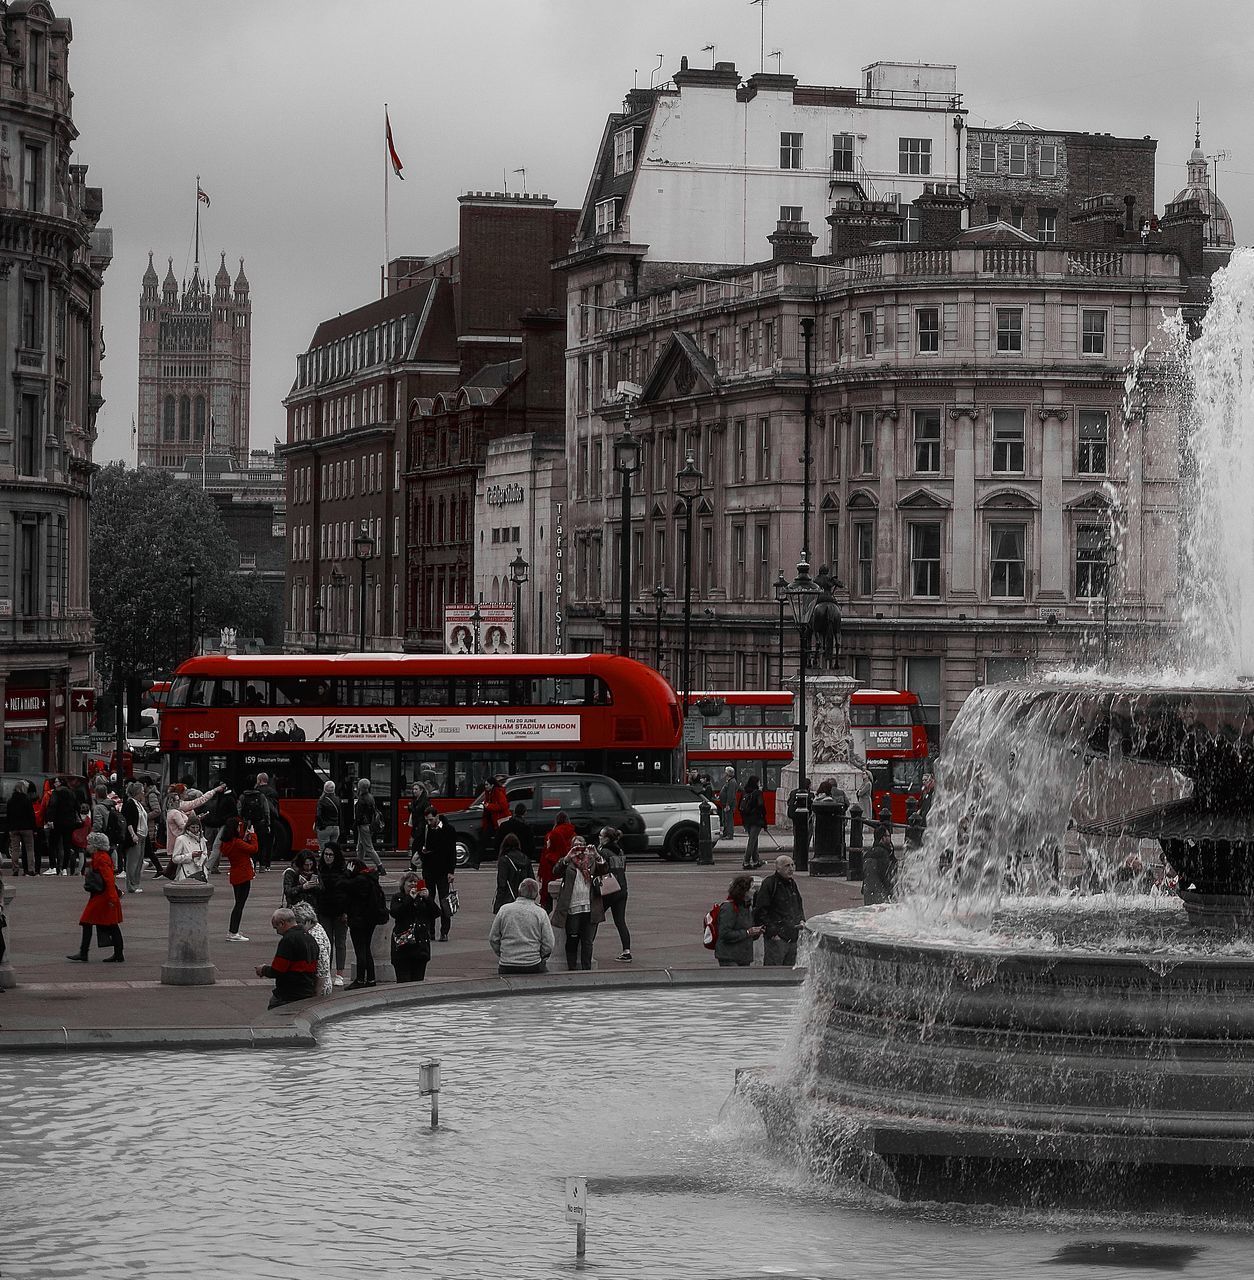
column 889, row 733
column 749, row 729
column 447, row 721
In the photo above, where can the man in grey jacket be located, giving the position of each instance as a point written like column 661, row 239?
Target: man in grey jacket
column 521, row 935
column 727, row 803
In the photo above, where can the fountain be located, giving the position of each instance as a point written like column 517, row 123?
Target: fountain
column 989, row 1037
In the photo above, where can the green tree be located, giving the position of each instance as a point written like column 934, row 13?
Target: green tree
column 147, row 530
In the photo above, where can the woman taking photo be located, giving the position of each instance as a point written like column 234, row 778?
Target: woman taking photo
column 415, row 916
column 189, row 855
column 301, row 882
column 330, row 906
column 239, row 848
column 579, row 908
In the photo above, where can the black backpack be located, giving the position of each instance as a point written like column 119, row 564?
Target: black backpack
column 253, row 808
column 115, row 827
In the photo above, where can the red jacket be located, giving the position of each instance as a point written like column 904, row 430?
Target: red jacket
column 105, row 907
column 556, row 846
column 495, row 806
column 239, row 854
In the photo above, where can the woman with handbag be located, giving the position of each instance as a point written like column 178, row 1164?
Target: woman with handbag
column 190, row 856
column 104, row 907
column 512, row 868
column 366, row 909
column 579, row 907
column 614, row 887
column 239, row 848
column 415, row 916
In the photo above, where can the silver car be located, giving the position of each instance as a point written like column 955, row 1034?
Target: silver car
column 672, row 818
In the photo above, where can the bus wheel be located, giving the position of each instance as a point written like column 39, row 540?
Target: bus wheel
column 465, row 851
column 681, row 844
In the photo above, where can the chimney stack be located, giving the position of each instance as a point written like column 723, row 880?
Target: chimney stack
column 791, row 242
column 940, row 212
column 858, row 223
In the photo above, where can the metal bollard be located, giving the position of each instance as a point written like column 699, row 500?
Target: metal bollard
column 855, row 841
column 801, row 828
column 705, row 840
column 7, row 977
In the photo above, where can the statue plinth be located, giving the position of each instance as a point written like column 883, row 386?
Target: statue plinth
column 829, row 740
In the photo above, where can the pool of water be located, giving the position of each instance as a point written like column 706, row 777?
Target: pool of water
column 247, row 1164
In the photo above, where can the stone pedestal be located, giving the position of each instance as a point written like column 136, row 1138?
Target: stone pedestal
column 7, row 976
column 381, row 950
column 187, row 959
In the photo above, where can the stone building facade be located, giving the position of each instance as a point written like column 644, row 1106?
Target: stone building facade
column 53, row 255
column 195, row 366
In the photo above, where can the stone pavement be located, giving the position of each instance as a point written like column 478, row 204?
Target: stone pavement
column 59, row 1004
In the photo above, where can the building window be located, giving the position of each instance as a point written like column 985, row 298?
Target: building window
column 581, row 469
column 1093, row 333
column 988, row 157
column 864, row 551
column 32, row 313
column 867, row 321
column 33, row 178
column 167, row 419
column 1016, row 216
column 927, row 441
column 838, row 339
column 1091, row 569
column 911, row 227
column 993, row 214
column 738, row 560
column 927, row 326
column 1018, row 160
column 1006, row 562
column 768, row 343
column 200, row 417
column 607, row 216
column 764, row 448
column 1009, row 329
column 762, row 561
column 925, row 553
column 831, row 546
column 866, row 442
column 1094, row 437
column 185, row 417
column 624, row 151
column 659, row 556
column 842, row 153
column 705, row 568
column 914, row 155
column 28, row 569
column 923, row 677
column 29, row 444
column 833, row 447
column 1047, row 225
column 1008, row 441
column 597, row 467
column 740, row 444
column 1047, row 160
column 247, row 559
column 790, row 151
column 790, row 213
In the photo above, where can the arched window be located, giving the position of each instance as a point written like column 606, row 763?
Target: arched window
column 496, row 589
column 440, row 522
column 185, row 417
column 200, row 417
column 167, row 423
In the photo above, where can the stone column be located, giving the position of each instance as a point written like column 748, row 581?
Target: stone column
column 1053, row 554
column 187, row 960
column 963, row 551
column 7, row 976
column 381, row 949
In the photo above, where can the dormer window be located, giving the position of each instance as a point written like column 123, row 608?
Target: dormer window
column 624, row 151
column 607, row 216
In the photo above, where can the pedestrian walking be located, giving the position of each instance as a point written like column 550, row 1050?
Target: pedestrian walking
column 753, row 817
column 439, row 865
column 610, row 847
column 579, row 909
column 516, row 825
column 294, row 968
column 736, row 930
column 495, row 811
column 307, row 918
column 189, row 855
column 521, row 936
column 419, row 804
column 413, row 915
column 557, row 845
column 727, row 803
column 135, row 821
column 366, row 909
column 327, row 817
column 365, row 811
column 156, row 825
column 62, row 813
column 512, row 868
column 104, row 906
column 778, row 909
column 20, row 819
column 332, row 871
column 269, row 820
column 239, row 848
column 301, row 882
column 79, row 838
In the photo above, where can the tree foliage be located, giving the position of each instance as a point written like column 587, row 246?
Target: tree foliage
column 147, row 530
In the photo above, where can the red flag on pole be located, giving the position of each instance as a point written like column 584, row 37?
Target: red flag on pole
column 200, row 195
column 392, row 156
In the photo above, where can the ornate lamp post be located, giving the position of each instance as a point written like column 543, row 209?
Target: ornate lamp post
column 476, row 619
column 803, row 595
column 688, row 487
column 781, row 597
column 317, row 621
column 626, row 463
column 659, row 605
column 518, row 574
column 337, row 600
column 363, row 549
column 189, row 576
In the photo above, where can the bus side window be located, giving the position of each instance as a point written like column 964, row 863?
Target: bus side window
column 226, row 693
column 200, row 694
column 373, row 691
column 894, row 714
column 256, row 693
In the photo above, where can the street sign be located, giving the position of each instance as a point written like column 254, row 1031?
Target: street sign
column 80, row 742
column 577, row 1201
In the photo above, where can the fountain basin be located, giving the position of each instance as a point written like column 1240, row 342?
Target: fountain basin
column 930, row 1068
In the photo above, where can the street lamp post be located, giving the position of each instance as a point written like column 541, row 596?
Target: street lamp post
column 337, row 600
column 363, row 549
column 476, row 619
column 688, row 486
column 807, row 337
column 626, row 463
column 518, row 575
column 190, row 577
column 317, row 619
column 659, row 605
column 803, row 595
column 781, row 596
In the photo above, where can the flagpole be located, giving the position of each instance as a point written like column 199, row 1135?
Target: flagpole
column 387, row 164
column 198, row 219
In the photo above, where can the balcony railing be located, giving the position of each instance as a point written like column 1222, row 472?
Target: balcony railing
column 27, row 630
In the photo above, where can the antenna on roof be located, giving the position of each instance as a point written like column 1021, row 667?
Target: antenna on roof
column 761, row 34
column 777, row 55
column 524, row 179
column 653, row 73
column 712, row 50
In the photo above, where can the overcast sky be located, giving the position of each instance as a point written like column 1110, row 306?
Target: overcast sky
column 278, row 106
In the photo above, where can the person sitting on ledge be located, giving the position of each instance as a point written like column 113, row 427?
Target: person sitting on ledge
column 295, row 964
column 521, row 935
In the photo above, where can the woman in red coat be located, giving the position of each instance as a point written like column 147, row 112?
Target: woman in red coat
column 556, row 846
column 104, row 907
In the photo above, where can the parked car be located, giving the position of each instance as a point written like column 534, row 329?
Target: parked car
column 672, row 818
column 590, row 800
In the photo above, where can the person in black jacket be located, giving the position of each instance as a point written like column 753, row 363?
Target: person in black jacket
column 439, row 864
column 516, row 825
column 332, row 871
column 62, row 812
column 419, row 804
column 778, row 909
column 327, row 818
column 295, row 964
column 366, row 909
column 222, row 809
column 512, row 868
column 753, row 818
column 414, row 914
column 19, row 817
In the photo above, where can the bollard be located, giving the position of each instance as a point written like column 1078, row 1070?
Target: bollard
column 855, row 841
column 828, row 818
column 381, row 949
column 705, row 839
column 799, row 806
column 7, row 977
column 187, row 957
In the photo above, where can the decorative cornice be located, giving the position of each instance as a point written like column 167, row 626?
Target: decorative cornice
column 972, row 411
column 881, row 414
column 843, row 417
column 1053, row 411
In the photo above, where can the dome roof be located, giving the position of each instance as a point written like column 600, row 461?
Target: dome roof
column 1218, row 234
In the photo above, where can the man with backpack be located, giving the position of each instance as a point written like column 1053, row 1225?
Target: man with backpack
column 258, row 806
column 727, row 803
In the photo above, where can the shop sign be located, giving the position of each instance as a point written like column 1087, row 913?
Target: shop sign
column 26, row 704
column 558, row 636
column 504, row 495
column 83, row 701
